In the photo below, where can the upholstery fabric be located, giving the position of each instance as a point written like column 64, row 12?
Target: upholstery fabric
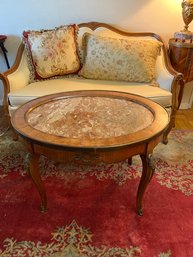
column 41, row 88
column 119, row 59
column 52, row 52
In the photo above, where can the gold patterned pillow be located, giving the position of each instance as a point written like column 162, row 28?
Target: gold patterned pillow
column 119, row 59
column 52, row 52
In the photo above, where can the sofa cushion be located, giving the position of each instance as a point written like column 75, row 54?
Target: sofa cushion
column 37, row 89
column 119, row 59
column 52, row 52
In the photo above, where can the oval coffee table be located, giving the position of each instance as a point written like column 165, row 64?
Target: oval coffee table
column 91, row 127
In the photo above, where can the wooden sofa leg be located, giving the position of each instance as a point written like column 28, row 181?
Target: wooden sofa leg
column 14, row 134
column 8, row 121
column 5, row 121
column 169, row 128
column 165, row 136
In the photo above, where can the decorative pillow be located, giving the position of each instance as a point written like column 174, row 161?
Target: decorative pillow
column 52, row 52
column 119, row 59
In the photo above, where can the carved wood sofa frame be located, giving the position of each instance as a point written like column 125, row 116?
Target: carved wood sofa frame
column 177, row 85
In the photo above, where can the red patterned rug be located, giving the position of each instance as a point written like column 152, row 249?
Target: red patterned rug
column 91, row 211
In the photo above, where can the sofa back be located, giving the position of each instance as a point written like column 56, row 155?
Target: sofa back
column 162, row 63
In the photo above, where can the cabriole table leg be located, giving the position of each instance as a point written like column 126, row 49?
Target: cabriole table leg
column 36, row 177
column 147, row 172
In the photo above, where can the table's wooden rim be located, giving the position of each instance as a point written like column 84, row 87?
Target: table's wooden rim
column 159, row 124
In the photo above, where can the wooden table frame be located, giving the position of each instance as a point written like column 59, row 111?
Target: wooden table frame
column 92, row 151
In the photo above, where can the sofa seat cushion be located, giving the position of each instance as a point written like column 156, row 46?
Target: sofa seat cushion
column 37, row 89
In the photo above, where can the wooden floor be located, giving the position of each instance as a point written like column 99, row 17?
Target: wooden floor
column 184, row 119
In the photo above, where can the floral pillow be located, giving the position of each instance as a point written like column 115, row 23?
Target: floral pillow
column 52, row 52
column 119, row 59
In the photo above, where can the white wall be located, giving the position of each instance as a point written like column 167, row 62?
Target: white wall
column 160, row 16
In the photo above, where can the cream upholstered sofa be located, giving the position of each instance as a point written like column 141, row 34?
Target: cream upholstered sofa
column 83, row 72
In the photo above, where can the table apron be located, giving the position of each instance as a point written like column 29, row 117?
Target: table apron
column 93, row 156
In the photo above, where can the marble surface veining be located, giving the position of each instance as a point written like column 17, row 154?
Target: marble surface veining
column 89, row 117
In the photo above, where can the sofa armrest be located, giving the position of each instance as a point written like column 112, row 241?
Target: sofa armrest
column 168, row 78
column 18, row 75
column 164, row 76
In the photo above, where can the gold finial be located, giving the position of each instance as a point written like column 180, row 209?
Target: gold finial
column 187, row 13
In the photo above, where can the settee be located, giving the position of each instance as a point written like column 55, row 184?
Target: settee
column 151, row 75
